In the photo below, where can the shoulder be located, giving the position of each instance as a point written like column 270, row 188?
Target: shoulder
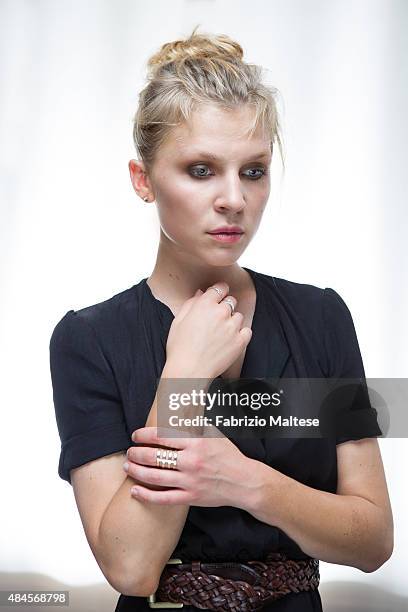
column 321, row 310
column 322, row 316
column 291, row 288
column 100, row 320
column 304, row 299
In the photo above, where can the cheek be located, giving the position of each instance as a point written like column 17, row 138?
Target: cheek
column 179, row 199
column 262, row 198
column 178, row 192
column 178, row 208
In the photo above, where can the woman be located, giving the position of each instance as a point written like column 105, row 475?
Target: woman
column 265, row 510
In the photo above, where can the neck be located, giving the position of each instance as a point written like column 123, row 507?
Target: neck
column 176, row 277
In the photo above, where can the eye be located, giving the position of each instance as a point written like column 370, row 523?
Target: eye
column 202, row 167
column 256, row 177
column 200, row 174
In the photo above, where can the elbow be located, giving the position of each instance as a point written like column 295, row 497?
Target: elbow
column 133, row 586
column 384, row 545
column 383, row 555
column 123, row 576
column 136, row 589
column 127, row 582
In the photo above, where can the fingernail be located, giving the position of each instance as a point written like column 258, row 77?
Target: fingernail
column 126, row 466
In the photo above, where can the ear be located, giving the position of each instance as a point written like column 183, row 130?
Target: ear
column 140, row 180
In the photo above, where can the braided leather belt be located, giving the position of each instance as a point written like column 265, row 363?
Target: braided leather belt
column 233, row 586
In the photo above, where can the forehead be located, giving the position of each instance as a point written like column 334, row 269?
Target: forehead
column 224, row 132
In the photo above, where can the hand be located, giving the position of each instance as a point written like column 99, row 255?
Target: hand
column 204, row 339
column 210, row 472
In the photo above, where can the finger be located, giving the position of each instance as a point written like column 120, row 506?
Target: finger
column 144, row 455
column 148, row 435
column 246, row 334
column 156, row 476
column 230, row 299
column 215, row 296
column 163, row 498
column 238, row 319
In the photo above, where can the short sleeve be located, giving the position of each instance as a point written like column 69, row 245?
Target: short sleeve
column 88, row 407
column 356, row 418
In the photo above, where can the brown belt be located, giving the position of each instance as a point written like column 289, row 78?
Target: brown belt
column 233, row 586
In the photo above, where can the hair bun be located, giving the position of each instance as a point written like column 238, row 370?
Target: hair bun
column 196, row 46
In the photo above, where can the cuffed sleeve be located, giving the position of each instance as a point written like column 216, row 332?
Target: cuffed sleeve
column 355, row 418
column 88, row 407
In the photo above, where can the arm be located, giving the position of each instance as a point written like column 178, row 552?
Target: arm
column 132, row 540
column 353, row 527
column 119, row 528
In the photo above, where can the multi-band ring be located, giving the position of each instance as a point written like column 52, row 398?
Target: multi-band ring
column 166, row 458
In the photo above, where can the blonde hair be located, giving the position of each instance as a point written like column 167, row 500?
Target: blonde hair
column 202, row 69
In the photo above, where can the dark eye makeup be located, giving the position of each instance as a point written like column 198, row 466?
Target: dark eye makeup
column 263, row 171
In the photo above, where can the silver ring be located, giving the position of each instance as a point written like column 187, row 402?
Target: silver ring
column 217, row 289
column 166, row 458
column 230, row 303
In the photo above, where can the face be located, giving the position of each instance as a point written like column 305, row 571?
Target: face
column 209, row 174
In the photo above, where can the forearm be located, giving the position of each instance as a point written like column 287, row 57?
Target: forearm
column 342, row 529
column 137, row 538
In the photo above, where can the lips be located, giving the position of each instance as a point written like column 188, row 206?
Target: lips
column 232, row 229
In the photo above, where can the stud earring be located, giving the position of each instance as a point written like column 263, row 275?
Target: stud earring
column 145, row 199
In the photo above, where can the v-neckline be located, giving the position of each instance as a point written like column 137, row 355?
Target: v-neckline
column 169, row 316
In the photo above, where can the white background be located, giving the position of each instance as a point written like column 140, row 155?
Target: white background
column 73, row 232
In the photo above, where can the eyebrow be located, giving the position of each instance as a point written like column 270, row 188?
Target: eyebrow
column 208, row 155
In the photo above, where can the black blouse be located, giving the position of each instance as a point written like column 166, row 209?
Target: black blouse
column 106, row 359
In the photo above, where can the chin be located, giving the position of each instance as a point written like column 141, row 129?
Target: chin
column 221, row 259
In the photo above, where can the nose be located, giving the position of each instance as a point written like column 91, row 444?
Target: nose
column 231, row 195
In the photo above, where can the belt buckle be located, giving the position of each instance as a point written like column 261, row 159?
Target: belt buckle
column 164, row 604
